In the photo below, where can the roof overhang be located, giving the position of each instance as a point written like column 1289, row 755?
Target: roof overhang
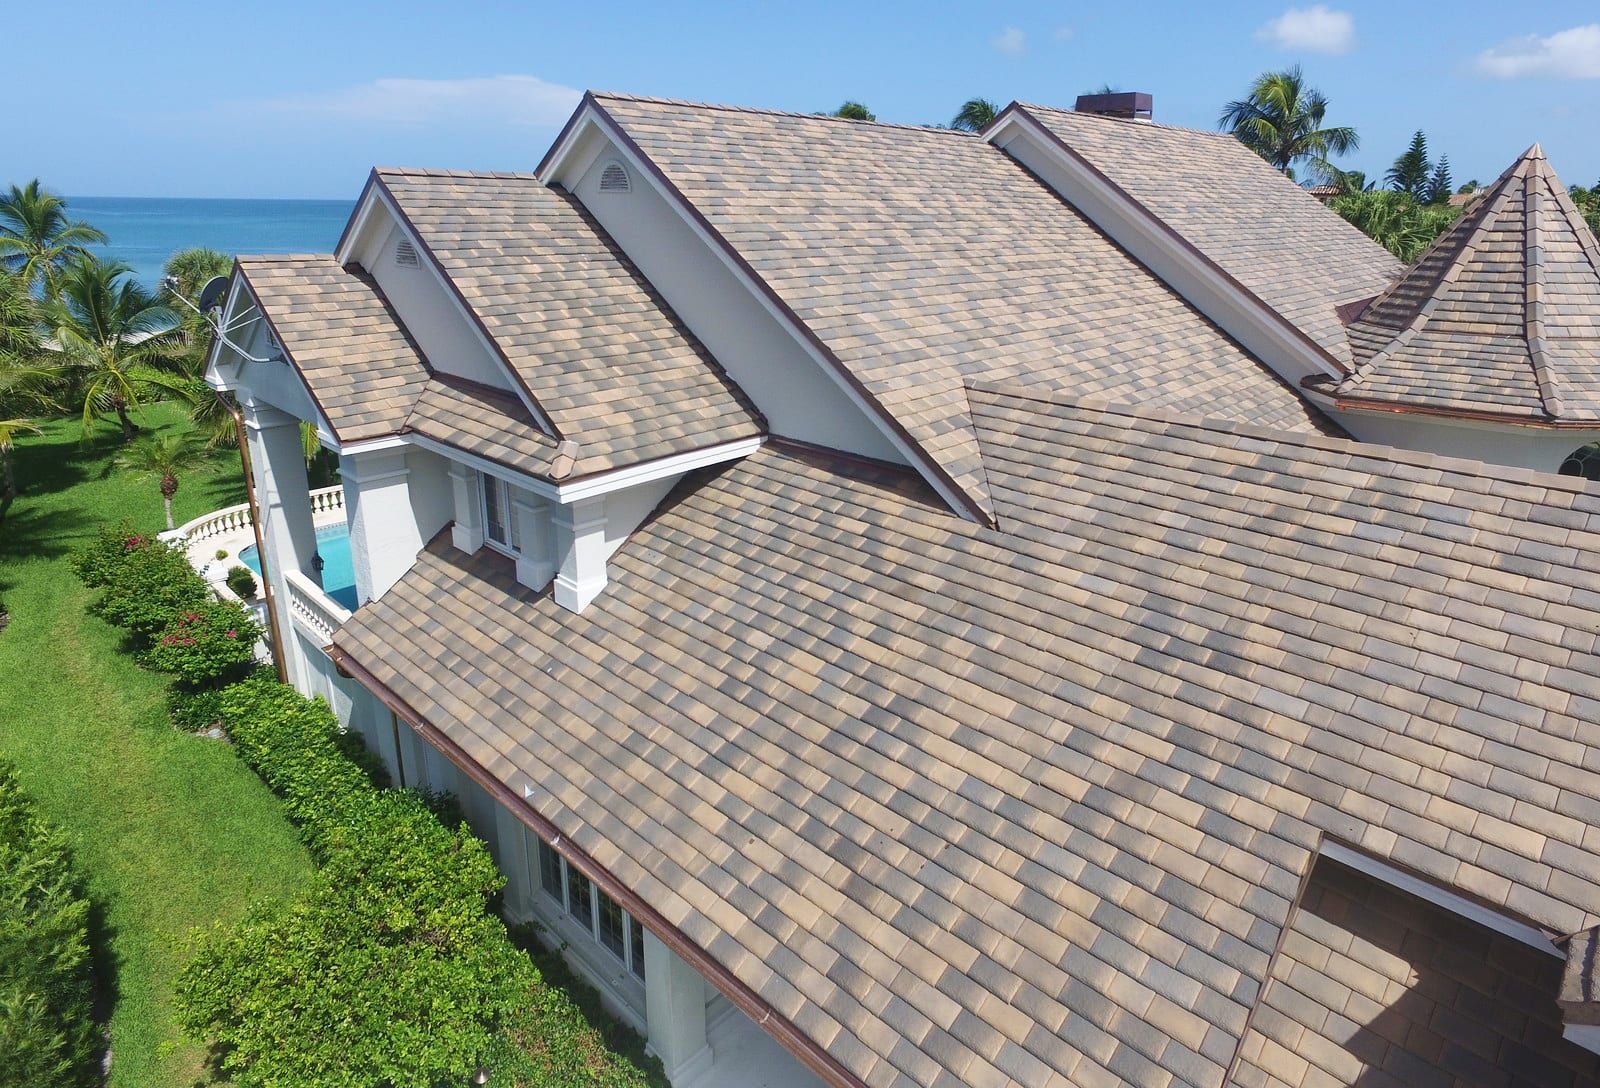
column 1275, row 340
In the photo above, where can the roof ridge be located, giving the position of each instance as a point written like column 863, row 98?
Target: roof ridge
column 1418, row 458
column 1137, row 122
column 724, row 107
column 287, row 258
column 438, row 172
column 1533, row 256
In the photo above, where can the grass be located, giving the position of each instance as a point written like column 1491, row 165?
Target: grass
column 171, row 831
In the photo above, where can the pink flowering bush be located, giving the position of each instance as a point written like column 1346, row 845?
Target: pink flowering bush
column 206, row 644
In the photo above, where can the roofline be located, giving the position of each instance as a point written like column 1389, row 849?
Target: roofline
column 591, row 110
column 272, row 327
column 1344, row 402
column 783, row 1030
column 1018, row 114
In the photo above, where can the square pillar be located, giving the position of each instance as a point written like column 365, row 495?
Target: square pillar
column 675, row 1013
column 580, row 529
column 536, row 563
column 384, row 536
column 467, row 532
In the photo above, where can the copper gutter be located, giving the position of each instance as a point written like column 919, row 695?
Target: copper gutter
column 802, row 1046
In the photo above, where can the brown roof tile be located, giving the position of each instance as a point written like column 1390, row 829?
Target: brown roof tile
column 1042, row 797
column 922, row 258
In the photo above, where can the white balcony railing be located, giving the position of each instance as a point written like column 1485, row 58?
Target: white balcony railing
column 313, row 611
column 230, row 519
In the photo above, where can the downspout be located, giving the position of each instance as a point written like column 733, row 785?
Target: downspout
column 261, row 546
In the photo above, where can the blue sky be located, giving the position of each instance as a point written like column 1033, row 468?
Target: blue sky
column 300, row 99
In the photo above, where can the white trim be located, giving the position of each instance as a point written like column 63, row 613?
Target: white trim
column 373, row 445
column 1439, row 897
column 914, row 455
column 1139, row 230
column 592, row 486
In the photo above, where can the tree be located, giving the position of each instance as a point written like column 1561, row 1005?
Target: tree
column 161, row 457
column 187, row 271
column 1438, row 189
column 1281, row 119
column 1410, row 171
column 854, row 111
column 116, row 342
column 975, row 114
column 25, row 382
column 37, row 239
column 1394, row 220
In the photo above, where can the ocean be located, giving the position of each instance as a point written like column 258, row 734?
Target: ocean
column 144, row 231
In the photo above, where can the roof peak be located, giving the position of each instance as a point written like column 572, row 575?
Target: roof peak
column 653, row 100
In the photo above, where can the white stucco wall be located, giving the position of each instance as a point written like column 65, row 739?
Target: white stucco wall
column 435, row 320
column 1537, row 448
column 786, row 384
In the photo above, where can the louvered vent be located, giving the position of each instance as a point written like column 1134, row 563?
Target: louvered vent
column 614, row 179
column 405, row 254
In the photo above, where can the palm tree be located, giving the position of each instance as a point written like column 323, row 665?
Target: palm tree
column 1282, row 121
column 36, row 237
column 855, row 111
column 975, row 114
column 161, row 457
column 24, row 382
column 114, row 339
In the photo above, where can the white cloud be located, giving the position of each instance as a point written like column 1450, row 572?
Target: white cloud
column 1316, row 29
column 1063, row 33
column 1010, row 40
column 496, row 100
column 1566, row 54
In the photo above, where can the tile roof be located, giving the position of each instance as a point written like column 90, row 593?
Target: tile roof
column 476, row 419
column 356, row 359
column 1500, row 316
column 921, row 257
column 1033, row 805
column 1275, row 238
column 1378, row 988
column 597, row 349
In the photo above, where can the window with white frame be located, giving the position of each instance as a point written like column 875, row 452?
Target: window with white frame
column 499, row 516
column 612, row 928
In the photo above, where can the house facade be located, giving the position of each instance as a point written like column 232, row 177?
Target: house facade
column 915, row 608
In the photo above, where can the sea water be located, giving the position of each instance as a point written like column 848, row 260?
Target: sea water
column 143, row 232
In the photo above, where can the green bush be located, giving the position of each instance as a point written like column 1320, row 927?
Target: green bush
column 149, row 586
column 207, row 645
column 391, row 969
column 194, row 710
column 95, row 561
column 47, row 1030
column 242, row 581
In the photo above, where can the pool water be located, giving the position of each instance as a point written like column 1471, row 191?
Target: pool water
column 338, row 572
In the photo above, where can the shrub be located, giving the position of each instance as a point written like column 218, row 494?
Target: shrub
column 94, row 562
column 47, row 1031
column 193, row 711
column 148, row 588
column 222, row 553
column 391, row 969
column 242, row 581
column 206, row 645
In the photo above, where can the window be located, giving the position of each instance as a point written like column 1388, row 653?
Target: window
column 549, row 871
column 607, row 924
column 499, row 516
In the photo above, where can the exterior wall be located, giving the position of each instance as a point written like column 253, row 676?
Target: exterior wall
column 1536, row 448
column 786, row 384
column 446, row 336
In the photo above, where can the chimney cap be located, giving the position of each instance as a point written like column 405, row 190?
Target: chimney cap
column 1134, row 105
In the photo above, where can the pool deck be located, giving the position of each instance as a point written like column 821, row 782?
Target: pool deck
column 203, row 553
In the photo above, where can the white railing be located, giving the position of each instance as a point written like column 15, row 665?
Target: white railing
column 233, row 518
column 316, row 613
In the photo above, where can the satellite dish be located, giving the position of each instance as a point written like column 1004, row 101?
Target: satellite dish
column 211, row 293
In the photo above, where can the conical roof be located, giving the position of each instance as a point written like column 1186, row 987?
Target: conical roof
column 1500, row 317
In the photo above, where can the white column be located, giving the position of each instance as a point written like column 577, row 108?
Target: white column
column 467, row 533
column 283, row 499
column 581, row 549
column 536, row 563
column 384, row 537
column 675, row 1013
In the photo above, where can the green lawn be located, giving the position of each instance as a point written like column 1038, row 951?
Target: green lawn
column 171, row 831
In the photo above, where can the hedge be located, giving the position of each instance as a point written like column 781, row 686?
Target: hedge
column 47, row 1030
column 392, row 969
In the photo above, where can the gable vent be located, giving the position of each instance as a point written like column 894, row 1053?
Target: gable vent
column 405, row 254
column 614, row 179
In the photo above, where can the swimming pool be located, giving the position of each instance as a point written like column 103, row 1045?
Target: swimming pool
column 338, row 572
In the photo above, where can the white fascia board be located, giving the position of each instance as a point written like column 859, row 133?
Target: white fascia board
column 601, row 483
column 1439, row 897
column 376, row 195
column 373, row 445
column 913, row 454
column 358, row 226
column 1153, row 243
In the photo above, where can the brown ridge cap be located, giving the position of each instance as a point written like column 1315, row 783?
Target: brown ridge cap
column 1533, row 254
column 1140, row 122
column 781, row 1028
